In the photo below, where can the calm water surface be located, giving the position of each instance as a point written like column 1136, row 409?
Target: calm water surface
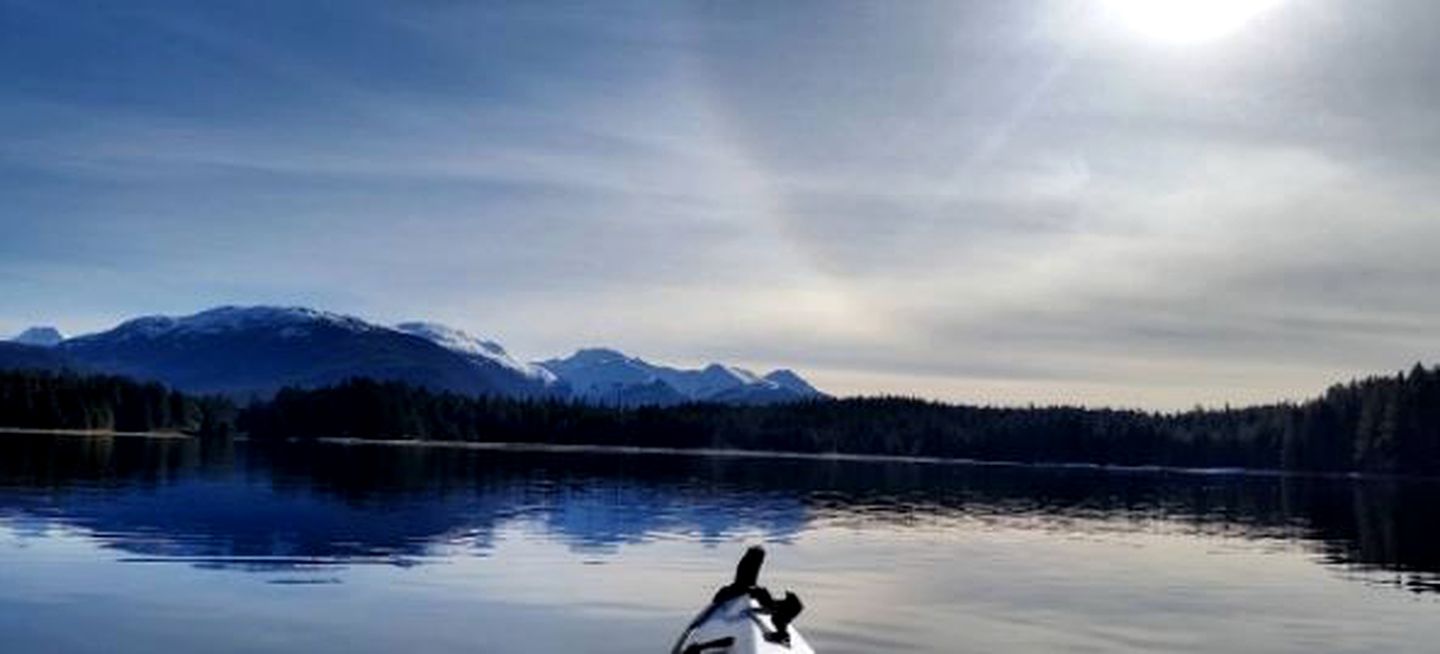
column 131, row 545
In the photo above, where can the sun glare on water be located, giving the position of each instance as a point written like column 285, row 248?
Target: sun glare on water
column 1187, row 21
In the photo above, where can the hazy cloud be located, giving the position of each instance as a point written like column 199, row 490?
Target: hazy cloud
column 981, row 201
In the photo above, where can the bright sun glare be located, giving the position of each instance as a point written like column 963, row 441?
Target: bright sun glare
column 1187, row 21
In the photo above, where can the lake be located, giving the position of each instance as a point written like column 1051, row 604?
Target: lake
column 130, row 545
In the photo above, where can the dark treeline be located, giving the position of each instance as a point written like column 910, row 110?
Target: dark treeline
column 1382, row 424
column 64, row 400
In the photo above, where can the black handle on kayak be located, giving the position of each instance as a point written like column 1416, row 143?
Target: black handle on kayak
column 747, row 572
column 747, row 575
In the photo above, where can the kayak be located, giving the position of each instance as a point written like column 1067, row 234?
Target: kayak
column 744, row 618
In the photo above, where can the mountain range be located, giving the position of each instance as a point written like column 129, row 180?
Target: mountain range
column 609, row 377
column 248, row 352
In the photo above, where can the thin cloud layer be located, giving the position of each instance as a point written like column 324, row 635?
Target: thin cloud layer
column 999, row 202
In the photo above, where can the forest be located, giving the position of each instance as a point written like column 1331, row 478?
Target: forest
column 46, row 400
column 1380, row 424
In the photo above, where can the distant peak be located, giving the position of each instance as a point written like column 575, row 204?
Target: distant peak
column 597, row 355
column 739, row 374
column 40, row 336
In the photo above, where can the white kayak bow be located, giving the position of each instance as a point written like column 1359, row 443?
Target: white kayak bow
column 745, row 619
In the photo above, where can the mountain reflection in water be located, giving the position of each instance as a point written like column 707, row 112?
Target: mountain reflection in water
column 238, row 506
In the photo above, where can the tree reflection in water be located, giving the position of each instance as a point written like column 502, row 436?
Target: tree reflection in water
column 235, row 505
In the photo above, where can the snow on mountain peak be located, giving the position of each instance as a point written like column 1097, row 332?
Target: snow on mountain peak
column 461, row 342
column 604, row 374
column 598, row 370
column 233, row 318
column 786, row 378
column 598, row 356
column 739, row 375
column 451, row 338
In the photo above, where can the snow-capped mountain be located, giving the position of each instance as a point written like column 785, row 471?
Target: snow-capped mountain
column 257, row 350
column 481, row 352
column 606, row 376
column 286, row 322
column 40, row 337
column 611, row 377
column 710, row 381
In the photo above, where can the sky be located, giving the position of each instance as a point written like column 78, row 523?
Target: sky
column 1108, row 202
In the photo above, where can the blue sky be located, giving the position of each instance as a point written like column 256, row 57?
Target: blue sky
column 1008, row 201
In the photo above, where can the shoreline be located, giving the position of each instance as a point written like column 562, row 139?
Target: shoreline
column 633, row 450
column 93, row 433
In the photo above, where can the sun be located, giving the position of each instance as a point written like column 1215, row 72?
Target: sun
column 1187, row 21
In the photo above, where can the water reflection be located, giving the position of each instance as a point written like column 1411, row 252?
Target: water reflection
column 298, row 507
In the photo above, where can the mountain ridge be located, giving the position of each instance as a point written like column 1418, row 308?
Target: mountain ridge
column 254, row 351
column 608, row 376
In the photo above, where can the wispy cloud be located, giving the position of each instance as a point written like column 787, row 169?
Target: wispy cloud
column 1006, row 201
